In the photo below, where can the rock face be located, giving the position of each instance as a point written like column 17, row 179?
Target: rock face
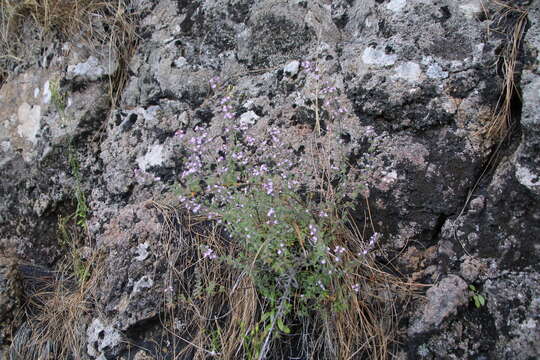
column 10, row 299
column 398, row 90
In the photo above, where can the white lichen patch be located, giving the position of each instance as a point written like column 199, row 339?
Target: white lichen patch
column 29, row 121
column 90, row 69
column 378, row 58
column 101, row 337
column 145, row 282
column 142, row 252
column 396, row 5
column 153, row 157
column 526, row 177
column 471, row 9
column 180, row 62
column 435, row 71
column 292, row 68
column 248, row 118
column 47, row 93
column 409, row 71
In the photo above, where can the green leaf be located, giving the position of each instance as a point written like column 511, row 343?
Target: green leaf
column 476, row 302
column 281, row 326
column 482, row 300
column 267, row 315
column 472, row 287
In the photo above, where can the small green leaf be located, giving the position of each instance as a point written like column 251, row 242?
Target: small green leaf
column 266, row 315
column 476, row 302
column 482, row 300
column 472, row 287
column 281, row 326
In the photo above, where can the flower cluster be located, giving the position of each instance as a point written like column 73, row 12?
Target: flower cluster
column 209, row 253
column 249, row 182
column 214, row 82
column 226, row 108
column 372, row 243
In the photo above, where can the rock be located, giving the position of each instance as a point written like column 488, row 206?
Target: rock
column 392, row 94
column 133, row 290
column 292, row 68
column 519, row 335
column 528, row 161
column 443, row 300
column 102, row 340
column 10, row 299
column 470, row 269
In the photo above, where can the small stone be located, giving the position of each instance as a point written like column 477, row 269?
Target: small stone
column 292, row 68
column 477, row 204
column 470, row 269
column 248, row 118
column 435, row 71
column 443, row 301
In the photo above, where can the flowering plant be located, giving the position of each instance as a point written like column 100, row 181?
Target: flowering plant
column 290, row 238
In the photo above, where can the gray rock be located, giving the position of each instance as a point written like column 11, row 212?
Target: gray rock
column 292, row 68
column 401, row 89
column 102, row 338
column 443, row 300
column 10, row 298
column 528, row 161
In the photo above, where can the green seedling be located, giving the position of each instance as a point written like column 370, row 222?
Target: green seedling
column 479, row 300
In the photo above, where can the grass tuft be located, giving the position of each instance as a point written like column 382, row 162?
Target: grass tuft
column 99, row 25
column 55, row 328
column 510, row 21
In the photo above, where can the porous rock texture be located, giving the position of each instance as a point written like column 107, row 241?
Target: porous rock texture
column 415, row 81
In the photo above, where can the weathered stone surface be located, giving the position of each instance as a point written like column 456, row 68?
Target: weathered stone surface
column 401, row 89
column 10, row 299
column 527, row 161
column 443, row 300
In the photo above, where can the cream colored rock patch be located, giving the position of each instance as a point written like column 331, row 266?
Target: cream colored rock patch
column 153, row 157
column 29, row 117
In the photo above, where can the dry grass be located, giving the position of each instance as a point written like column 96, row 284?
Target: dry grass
column 66, row 16
column 212, row 303
column 510, row 21
column 105, row 27
column 58, row 302
column 216, row 307
column 56, row 317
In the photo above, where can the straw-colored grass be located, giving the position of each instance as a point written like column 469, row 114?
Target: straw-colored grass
column 101, row 25
column 501, row 120
column 56, row 317
column 219, row 306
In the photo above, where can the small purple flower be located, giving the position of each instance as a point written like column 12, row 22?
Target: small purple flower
column 338, row 250
column 268, row 187
column 214, row 81
column 209, row 253
column 180, row 134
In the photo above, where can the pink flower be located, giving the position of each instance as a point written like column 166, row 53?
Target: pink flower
column 209, row 253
